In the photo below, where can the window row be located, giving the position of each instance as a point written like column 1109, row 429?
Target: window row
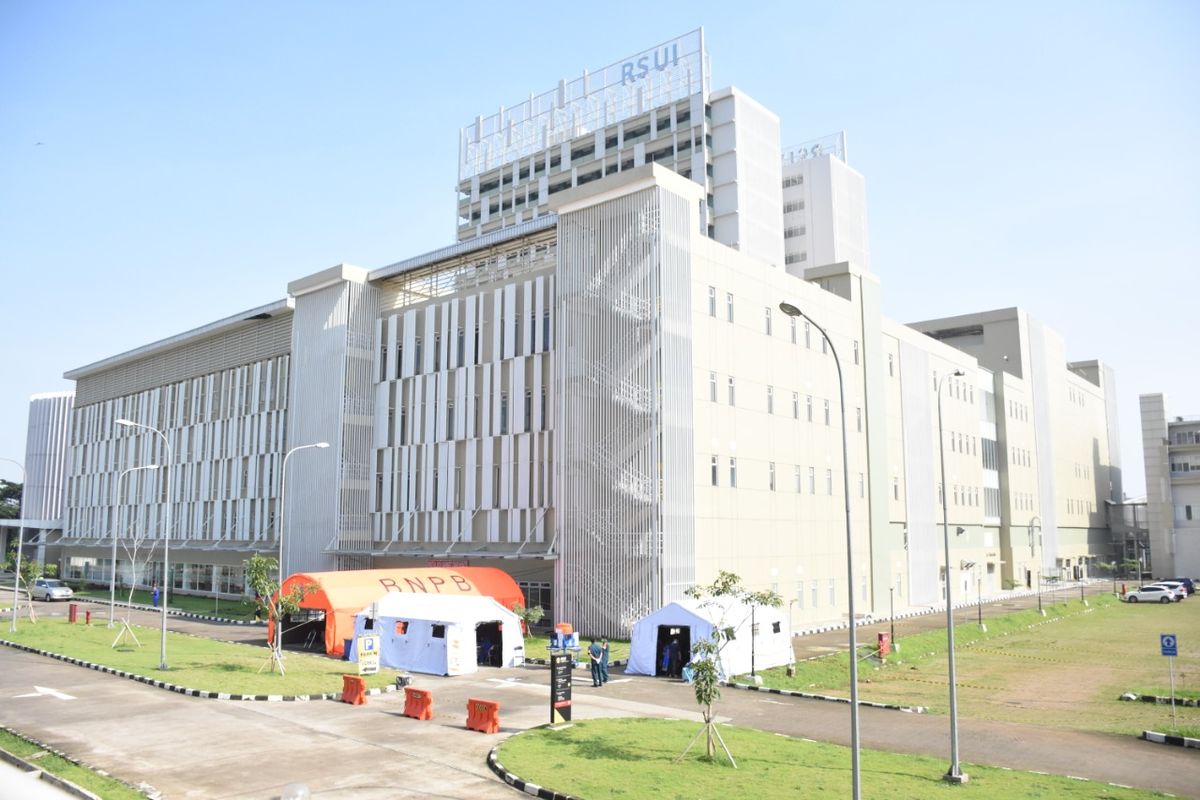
column 957, row 388
column 1018, row 411
column 1021, row 457
column 777, row 476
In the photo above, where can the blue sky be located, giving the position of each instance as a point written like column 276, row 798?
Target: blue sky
column 166, row 164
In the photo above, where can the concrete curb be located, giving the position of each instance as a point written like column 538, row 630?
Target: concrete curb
column 1158, row 699
column 170, row 612
column 42, row 775
column 521, row 785
column 829, row 698
column 200, row 693
column 1167, row 738
column 61, row 783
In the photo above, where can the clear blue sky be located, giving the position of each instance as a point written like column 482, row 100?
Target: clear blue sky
column 166, row 164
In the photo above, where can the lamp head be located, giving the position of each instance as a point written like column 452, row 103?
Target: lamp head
column 959, row 531
column 958, row 373
column 790, row 310
column 322, row 445
column 125, row 422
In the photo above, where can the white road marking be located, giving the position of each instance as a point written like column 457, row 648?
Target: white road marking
column 41, row 691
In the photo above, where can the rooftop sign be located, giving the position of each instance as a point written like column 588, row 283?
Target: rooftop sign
column 663, row 74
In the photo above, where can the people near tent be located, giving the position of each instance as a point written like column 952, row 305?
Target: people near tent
column 603, row 661
column 674, row 658
column 485, row 652
column 594, row 655
column 155, row 595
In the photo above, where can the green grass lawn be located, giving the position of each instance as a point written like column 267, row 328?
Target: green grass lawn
column 1068, row 673
column 80, row 776
column 229, row 609
column 195, row 662
column 635, row 758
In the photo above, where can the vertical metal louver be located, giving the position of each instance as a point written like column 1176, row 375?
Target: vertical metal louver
column 623, row 378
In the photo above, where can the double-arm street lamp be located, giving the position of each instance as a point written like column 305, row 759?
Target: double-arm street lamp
column 112, row 579
column 167, row 464
column 792, row 311
column 12, row 626
column 955, row 773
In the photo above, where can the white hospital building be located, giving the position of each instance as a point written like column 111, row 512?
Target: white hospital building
column 595, row 390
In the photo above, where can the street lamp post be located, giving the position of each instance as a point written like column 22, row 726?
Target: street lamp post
column 792, row 311
column 12, row 627
column 892, row 615
column 954, row 774
column 112, row 578
column 280, row 533
column 162, row 651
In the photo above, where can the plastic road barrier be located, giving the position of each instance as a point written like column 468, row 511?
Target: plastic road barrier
column 483, row 716
column 354, row 690
column 418, row 703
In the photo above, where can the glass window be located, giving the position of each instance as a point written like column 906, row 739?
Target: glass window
column 770, row 399
column 729, row 306
column 800, row 594
column 858, row 418
column 712, row 387
column 793, row 326
column 826, row 412
column 731, row 390
column 713, row 470
column 856, row 351
column 796, row 475
column 712, row 301
column 812, row 480
column 829, row 481
column 771, row 477
column 795, row 405
column 810, row 408
column 767, row 320
column 891, row 365
column 807, row 335
column 732, row 472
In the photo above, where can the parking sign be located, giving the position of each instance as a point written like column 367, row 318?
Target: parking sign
column 1170, row 647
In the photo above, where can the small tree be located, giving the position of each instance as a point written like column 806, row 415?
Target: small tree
column 29, row 572
column 261, row 574
column 706, row 654
column 529, row 616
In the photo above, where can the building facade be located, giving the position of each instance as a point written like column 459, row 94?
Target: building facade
column 598, row 392
column 1171, row 447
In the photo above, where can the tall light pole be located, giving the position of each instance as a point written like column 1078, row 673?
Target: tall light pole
column 168, row 462
column 792, row 311
column 12, row 626
column 954, row 774
column 112, row 578
column 280, row 533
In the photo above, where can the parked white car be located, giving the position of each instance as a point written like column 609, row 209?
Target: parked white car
column 50, row 589
column 1177, row 588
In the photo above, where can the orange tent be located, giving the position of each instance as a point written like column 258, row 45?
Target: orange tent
column 341, row 595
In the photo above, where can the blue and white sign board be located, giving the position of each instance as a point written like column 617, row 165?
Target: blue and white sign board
column 1169, row 644
column 368, row 654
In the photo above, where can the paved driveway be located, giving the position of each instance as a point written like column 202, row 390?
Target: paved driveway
column 189, row 747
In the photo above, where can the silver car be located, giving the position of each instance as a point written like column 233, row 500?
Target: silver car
column 50, row 589
column 1150, row 594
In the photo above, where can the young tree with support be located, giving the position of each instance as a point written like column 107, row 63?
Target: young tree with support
column 706, row 654
column 262, row 575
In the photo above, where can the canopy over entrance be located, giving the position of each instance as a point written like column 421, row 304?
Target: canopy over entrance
column 341, row 595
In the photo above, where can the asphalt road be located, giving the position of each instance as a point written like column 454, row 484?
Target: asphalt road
column 186, row 747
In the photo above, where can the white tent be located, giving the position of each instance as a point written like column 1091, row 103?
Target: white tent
column 442, row 635
column 663, row 639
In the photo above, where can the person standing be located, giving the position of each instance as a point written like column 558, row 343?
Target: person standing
column 155, row 595
column 594, row 654
column 603, row 661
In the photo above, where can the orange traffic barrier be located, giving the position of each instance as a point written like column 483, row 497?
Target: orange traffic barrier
column 354, row 690
column 483, row 716
column 418, row 703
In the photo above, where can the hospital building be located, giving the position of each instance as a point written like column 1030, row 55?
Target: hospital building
column 594, row 389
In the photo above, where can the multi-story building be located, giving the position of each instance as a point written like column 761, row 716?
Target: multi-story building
column 599, row 393
column 45, row 451
column 1171, row 447
column 824, row 206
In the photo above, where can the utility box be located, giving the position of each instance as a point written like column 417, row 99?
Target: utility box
column 885, row 644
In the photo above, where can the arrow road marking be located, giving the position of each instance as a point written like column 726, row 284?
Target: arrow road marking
column 41, row 691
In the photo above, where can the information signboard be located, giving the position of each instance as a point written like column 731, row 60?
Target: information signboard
column 560, row 687
column 368, row 654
